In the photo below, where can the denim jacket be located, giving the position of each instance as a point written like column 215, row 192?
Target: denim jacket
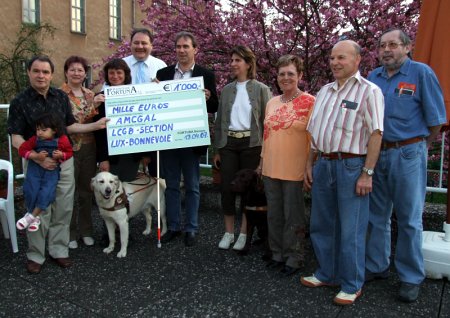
column 259, row 95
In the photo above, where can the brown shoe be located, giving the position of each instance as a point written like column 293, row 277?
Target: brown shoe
column 33, row 267
column 63, row 262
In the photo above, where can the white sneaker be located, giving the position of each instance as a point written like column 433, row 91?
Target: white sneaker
column 346, row 299
column 87, row 240
column 240, row 243
column 73, row 245
column 226, row 241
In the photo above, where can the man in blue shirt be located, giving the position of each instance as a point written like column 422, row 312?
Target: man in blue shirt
column 414, row 114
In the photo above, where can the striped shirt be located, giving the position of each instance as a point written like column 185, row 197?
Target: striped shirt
column 344, row 118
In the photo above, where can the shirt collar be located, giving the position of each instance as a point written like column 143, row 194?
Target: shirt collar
column 134, row 61
column 35, row 93
column 181, row 72
column 404, row 69
column 355, row 77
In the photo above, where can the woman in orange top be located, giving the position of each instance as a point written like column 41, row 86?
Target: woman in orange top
column 83, row 108
column 283, row 159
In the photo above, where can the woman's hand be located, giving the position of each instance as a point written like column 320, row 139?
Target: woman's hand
column 98, row 99
column 101, row 123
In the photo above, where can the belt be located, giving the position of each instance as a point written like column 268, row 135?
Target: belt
column 239, row 134
column 339, row 155
column 397, row 144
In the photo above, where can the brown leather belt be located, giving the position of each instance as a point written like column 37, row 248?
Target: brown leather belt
column 339, row 155
column 397, row 144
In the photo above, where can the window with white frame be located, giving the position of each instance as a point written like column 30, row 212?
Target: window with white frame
column 77, row 16
column 30, row 11
column 115, row 31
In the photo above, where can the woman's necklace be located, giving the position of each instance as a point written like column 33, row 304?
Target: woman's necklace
column 290, row 99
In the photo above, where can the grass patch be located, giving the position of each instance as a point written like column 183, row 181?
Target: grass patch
column 440, row 198
column 206, row 172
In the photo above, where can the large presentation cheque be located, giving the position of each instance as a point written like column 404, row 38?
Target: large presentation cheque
column 148, row 117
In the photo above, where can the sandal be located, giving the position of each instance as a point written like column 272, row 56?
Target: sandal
column 34, row 226
column 24, row 222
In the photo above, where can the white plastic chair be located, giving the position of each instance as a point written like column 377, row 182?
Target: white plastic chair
column 8, row 218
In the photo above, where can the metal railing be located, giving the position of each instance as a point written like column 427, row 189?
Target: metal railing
column 205, row 164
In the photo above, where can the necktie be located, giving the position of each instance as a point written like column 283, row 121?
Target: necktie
column 140, row 74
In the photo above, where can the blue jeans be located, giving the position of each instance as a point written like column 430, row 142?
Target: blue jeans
column 399, row 183
column 175, row 162
column 339, row 222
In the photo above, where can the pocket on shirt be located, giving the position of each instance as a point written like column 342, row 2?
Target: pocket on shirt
column 401, row 106
column 344, row 118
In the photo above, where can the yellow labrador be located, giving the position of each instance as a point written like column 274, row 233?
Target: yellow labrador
column 118, row 201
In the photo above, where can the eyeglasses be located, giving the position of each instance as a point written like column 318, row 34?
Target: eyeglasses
column 390, row 45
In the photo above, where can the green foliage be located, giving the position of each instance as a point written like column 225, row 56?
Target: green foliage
column 26, row 43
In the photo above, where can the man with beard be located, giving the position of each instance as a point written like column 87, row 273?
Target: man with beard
column 414, row 113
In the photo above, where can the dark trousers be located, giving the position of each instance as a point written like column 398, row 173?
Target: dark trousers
column 236, row 155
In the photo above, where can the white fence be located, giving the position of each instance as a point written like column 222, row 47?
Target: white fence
column 438, row 189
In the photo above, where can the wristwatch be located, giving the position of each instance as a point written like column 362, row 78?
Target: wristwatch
column 369, row 172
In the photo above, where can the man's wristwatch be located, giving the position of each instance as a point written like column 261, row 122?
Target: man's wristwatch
column 369, row 172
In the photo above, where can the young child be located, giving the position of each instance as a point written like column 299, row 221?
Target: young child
column 39, row 187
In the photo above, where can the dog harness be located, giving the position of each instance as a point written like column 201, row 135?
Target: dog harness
column 120, row 203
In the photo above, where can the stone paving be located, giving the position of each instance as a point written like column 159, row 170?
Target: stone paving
column 201, row 281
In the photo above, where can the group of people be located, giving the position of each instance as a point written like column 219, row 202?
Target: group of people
column 359, row 146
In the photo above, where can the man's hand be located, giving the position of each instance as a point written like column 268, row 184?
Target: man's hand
column 364, row 184
column 38, row 156
column 104, row 166
column 207, row 93
column 216, row 161
column 48, row 163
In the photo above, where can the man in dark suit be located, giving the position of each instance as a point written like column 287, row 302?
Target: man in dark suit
column 185, row 160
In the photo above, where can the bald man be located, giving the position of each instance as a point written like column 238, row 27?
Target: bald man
column 345, row 127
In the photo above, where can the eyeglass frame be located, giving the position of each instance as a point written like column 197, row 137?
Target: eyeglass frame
column 390, row 45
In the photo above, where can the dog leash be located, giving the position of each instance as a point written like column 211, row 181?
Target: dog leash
column 146, row 185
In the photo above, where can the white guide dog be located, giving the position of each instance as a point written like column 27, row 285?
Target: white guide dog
column 115, row 198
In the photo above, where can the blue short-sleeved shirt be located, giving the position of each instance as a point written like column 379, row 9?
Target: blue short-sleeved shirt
column 413, row 101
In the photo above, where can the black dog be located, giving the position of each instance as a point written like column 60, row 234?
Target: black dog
column 249, row 185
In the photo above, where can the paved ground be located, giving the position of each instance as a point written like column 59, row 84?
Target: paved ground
column 175, row 281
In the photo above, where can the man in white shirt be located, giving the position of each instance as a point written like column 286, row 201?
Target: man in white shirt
column 143, row 66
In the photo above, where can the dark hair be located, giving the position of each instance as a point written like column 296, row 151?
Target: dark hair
column 248, row 56
column 404, row 38
column 40, row 58
column 144, row 31
column 49, row 120
column 289, row 59
column 185, row 34
column 117, row 64
column 75, row 59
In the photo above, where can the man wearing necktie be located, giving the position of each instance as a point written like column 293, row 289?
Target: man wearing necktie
column 143, row 68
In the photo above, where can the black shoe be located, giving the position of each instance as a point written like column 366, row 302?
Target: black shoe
column 169, row 236
column 288, row 270
column 189, row 239
column 408, row 292
column 274, row 264
column 369, row 276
